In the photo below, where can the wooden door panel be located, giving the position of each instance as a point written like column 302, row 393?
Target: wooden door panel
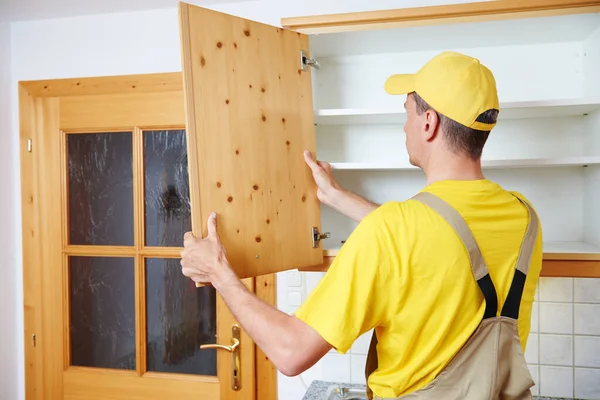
column 249, row 117
column 102, row 385
column 120, row 111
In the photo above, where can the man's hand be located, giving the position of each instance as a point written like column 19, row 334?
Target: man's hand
column 333, row 195
column 204, row 260
column 323, row 176
column 290, row 344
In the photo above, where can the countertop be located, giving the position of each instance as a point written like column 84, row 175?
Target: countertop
column 317, row 389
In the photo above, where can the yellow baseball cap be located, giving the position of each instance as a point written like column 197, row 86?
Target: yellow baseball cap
column 456, row 85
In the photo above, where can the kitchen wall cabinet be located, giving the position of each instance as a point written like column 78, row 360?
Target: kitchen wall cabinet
column 546, row 144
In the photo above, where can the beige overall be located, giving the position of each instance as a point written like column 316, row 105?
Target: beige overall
column 491, row 365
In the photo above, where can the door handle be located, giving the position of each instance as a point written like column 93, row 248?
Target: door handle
column 234, row 349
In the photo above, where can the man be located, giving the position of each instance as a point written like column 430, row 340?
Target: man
column 429, row 274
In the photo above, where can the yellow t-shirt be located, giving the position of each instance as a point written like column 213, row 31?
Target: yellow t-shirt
column 405, row 272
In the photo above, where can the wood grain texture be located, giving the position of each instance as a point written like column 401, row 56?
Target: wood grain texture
column 139, row 267
column 266, row 373
column 577, row 267
column 122, row 84
column 92, row 384
column 249, row 118
column 443, row 14
column 568, row 269
column 248, row 353
column 115, row 111
column 30, row 212
column 50, row 216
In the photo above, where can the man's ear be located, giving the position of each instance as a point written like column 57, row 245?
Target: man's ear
column 431, row 124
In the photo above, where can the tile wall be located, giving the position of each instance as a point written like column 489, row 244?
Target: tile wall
column 563, row 351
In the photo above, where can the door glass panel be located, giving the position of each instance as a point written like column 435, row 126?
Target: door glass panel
column 100, row 191
column 180, row 317
column 102, row 312
column 166, row 187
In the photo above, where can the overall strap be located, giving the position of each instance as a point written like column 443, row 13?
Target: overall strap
column 478, row 265
column 513, row 300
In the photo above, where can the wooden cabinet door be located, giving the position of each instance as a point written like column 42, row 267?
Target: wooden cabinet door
column 249, row 117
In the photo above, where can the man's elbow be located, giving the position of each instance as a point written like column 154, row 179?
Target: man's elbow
column 292, row 362
column 291, row 367
column 290, row 371
column 300, row 350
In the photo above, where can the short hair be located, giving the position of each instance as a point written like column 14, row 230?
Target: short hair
column 461, row 139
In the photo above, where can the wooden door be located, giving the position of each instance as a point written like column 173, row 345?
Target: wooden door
column 106, row 203
column 249, row 119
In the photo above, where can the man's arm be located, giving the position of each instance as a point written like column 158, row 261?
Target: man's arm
column 330, row 193
column 350, row 204
column 292, row 345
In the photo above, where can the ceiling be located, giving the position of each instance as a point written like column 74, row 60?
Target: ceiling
column 19, row 10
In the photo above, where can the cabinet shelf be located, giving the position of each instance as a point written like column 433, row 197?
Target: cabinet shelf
column 487, row 164
column 508, row 110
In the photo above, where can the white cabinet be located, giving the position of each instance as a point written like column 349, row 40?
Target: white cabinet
column 546, row 144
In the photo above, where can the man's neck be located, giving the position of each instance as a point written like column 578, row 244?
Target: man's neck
column 453, row 168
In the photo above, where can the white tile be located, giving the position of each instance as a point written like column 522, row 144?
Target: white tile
column 556, row 381
column 290, row 388
column 587, row 319
column 357, row 369
column 556, row 289
column 294, row 279
column 361, row 345
column 281, row 291
column 532, row 349
column 556, row 350
column 587, row 383
column 294, row 299
column 587, row 290
column 336, row 367
column 534, row 370
column 535, row 317
column 311, row 279
column 587, row 351
column 556, row 318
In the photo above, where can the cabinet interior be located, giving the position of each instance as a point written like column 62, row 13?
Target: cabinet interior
column 546, row 144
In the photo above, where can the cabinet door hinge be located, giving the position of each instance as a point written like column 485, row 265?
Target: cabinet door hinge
column 29, row 145
column 305, row 62
column 316, row 236
column 33, row 340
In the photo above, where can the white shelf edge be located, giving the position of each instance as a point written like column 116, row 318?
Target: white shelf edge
column 508, row 110
column 488, row 164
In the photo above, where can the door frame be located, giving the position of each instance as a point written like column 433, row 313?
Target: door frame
column 31, row 131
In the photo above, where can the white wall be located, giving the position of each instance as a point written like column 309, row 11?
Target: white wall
column 11, row 316
column 127, row 43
